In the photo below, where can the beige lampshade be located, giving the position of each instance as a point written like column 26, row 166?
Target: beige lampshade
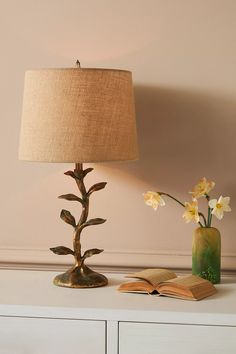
column 78, row 115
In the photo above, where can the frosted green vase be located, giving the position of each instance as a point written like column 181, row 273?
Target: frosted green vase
column 206, row 254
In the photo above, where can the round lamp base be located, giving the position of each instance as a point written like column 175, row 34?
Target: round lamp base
column 80, row 277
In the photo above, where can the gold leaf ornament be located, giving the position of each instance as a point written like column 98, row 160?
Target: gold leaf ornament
column 91, row 252
column 67, row 217
column 71, row 197
column 62, row 250
column 97, row 187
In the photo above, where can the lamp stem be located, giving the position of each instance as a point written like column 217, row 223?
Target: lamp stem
column 79, row 167
column 84, row 214
column 77, row 64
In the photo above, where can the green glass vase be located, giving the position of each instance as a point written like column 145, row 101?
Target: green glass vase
column 206, row 254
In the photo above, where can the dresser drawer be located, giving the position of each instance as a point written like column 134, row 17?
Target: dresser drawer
column 150, row 338
column 51, row 336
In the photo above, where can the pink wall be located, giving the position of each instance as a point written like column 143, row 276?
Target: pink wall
column 182, row 54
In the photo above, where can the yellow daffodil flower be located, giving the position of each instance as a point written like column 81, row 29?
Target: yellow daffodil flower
column 219, row 206
column 153, row 199
column 202, row 188
column 191, row 212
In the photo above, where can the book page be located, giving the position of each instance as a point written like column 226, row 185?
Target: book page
column 153, row 276
column 190, row 286
column 136, row 286
column 188, row 281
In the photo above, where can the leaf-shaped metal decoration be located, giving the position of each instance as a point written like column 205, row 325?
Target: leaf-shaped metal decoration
column 79, row 175
column 97, row 187
column 70, row 173
column 85, row 172
column 67, row 217
column 95, row 221
column 91, row 252
column 62, row 250
column 71, row 197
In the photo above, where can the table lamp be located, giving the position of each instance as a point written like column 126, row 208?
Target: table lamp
column 78, row 115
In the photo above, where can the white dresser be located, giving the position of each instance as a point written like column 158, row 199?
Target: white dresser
column 37, row 317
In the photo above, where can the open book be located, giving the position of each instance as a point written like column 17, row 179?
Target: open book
column 165, row 282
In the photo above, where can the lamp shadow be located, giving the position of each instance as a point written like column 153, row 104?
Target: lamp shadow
column 184, row 135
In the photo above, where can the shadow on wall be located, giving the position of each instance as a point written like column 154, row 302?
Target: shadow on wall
column 183, row 136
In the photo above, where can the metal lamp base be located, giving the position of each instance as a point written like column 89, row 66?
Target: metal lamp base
column 80, row 277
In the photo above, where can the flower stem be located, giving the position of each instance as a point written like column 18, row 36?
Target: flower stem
column 205, row 222
column 209, row 216
column 183, row 205
column 170, row 196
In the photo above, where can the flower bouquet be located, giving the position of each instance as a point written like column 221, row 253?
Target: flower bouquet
column 206, row 247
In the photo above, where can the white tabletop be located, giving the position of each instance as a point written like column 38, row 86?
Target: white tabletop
column 32, row 294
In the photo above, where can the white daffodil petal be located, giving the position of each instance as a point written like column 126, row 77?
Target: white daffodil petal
column 212, row 203
column 162, row 202
column 220, row 215
column 153, row 199
column 227, row 208
column 218, row 212
column 197, row 218
column 187, row 217
column 202, row 188
column 191, row 212
column 226, row 200
column 221, row 205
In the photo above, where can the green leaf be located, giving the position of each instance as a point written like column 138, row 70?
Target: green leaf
column 95, row 221
column 71, row 197
column 91, row 252
column 97, row 187
column 67, row 217
column 61, row 250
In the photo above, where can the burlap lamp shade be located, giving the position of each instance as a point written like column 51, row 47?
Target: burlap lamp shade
column 78, row 115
